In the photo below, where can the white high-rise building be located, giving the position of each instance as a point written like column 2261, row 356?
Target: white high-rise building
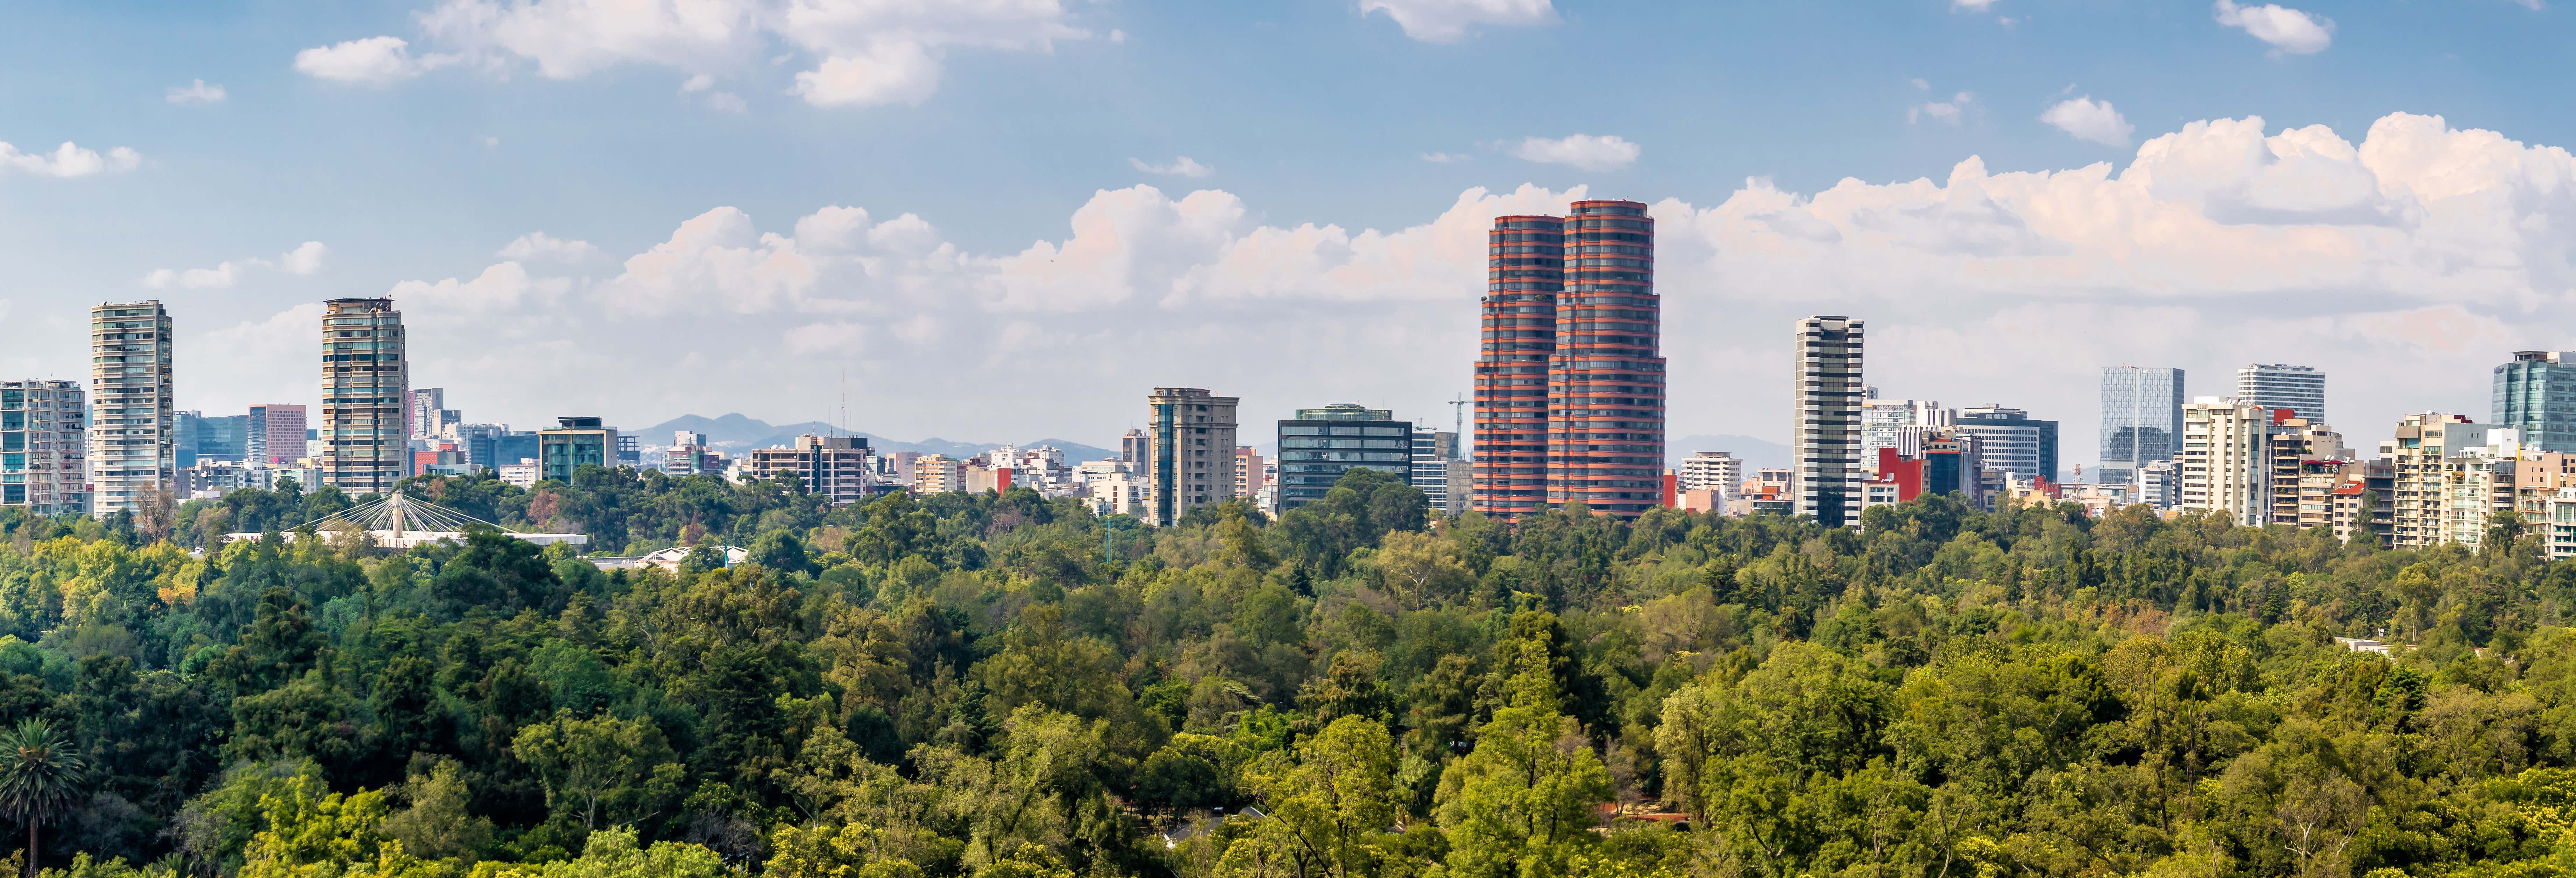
column 365, row 394
column 2297, row 388
column 2422, row 453
column 2226, row 460
column 1719, row 471
column 132, row 427
column 1826, row 426
column 1885, row 423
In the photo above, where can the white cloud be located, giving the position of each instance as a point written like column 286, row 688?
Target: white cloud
column 371, row 61
column 500, row 288
column 306, row 258
column 1920, row 84
column 728, row 102
column 1971, row 5
column 196, row 92
column 2088, row 119
column 542, row 247
column 68, row 160
column 488, row 141
column 2288, row 30
column 900, row 72
column 2533, row 5
column 1447, row 157
column 1583, row 151
column 865, row 52
column 1180, row 167
column 1947, row 111
column 1448, row 21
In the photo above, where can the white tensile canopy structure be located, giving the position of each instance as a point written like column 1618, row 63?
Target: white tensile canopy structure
column 398, row 521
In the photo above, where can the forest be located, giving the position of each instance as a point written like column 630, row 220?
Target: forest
column 1009, row 686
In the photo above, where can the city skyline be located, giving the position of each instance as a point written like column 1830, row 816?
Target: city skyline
column 652, row 278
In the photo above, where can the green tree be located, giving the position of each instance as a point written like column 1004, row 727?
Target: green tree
column 588, row 764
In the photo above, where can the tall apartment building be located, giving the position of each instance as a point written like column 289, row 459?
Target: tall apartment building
column 2535, row 396
column 133, row 454
column 836, row 468
column 1900, row 424
column 1719, row 471
column 1605, row 388
column 1827, row 387
column 366, row 382
column 1131, row 447
column 2011, row 440
column 2294, row 445
column 275, row 433
column 1525, row 270
column 1319, row 445
column 1189, row 450
column 2300, row 389
column 2141, row 419
column 2226, row 460
column 1569, row 378
column 43, row 452
column 2421, row 452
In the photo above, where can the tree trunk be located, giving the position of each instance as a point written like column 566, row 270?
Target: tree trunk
column 31, row 846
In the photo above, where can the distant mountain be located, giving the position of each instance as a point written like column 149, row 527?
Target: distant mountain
column 1756, row 453
column 737, row 433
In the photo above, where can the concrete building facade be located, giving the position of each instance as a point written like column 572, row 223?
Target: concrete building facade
column 366, row 383
column 133, row 453
column 1189, row 450
column 44, row 464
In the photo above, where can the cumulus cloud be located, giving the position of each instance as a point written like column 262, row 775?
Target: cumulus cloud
column 1590, row 153
column 1446, row 157
column 68, row 160
column 1947, row 111
column 1180, row 167
column 541, row 247
column 1448, row 21
column 195, row 92
column 2289, row 31
column 306, row 258
column 2088, row 119
column 2405, row 260
column 371, row 61
column 863, row 52
column 1971, row 5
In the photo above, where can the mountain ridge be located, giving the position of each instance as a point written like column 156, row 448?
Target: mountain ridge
column 737, row 432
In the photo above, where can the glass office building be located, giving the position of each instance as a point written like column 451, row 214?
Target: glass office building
column 1319, row 445
column 2141, row 419
column 2536, row 395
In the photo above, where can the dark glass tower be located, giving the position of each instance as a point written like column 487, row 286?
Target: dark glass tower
column 2141, row 419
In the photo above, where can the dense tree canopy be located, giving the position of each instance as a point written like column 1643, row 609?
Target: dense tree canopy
column 1006, row 686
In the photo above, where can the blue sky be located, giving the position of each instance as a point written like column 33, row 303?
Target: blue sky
column 1001, row 124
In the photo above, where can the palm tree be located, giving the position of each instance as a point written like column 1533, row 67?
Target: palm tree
column 39, row 777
